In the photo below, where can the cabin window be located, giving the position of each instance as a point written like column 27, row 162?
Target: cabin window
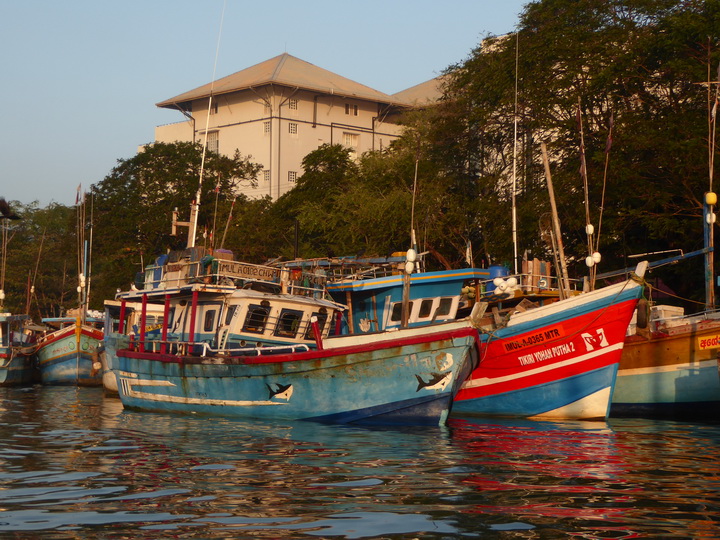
column 209, row 324
column 425, row 308
column 256, row 319
column 444, row 307
column 321, row 320
column 288, row 323
column 229, row 314
column 396, row 314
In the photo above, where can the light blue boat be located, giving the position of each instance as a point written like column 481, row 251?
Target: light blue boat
column 69, row 355
column 405, row 377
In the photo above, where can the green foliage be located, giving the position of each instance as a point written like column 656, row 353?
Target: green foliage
column 639, row 65
column 133, row 206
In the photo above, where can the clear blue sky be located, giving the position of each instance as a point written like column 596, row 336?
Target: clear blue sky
column 80, row 78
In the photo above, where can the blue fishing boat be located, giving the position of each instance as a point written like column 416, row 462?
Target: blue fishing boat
column 17, row 358
column 405, row 377
column 234, row 339
column 669, row 366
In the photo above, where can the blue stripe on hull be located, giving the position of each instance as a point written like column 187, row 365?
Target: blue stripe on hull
column 542, row 398
column 419, row 411
column 692, row 391
column 570, row 311
column 709, row 410
column 68, row 370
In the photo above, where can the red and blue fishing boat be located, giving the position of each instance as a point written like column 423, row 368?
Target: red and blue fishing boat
column 558, row 361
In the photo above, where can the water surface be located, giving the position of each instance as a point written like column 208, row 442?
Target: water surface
column 74, row 464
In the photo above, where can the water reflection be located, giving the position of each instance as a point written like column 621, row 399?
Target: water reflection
column 73, row 464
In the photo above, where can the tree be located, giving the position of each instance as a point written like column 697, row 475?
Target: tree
column 638, row 63
column 133, row 206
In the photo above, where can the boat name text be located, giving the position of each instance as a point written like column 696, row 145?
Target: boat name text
column 547, row 354
column 534, row 339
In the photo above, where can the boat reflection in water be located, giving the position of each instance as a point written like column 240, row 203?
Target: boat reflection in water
column 74, row 459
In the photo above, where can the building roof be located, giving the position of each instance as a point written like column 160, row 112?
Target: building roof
column 284, row 70
column 422, row 94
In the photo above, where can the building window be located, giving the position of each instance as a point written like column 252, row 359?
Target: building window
column 351, row 109
column 293, row 104
column 213, row 107
column 292, row 128
column 351, row 140
column 266, row 175
column 292, row 176
column 213, row 142
column 266, row 127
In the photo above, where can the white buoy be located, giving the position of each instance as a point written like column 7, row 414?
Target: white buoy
column 589, row 261
column 589, row 229
column 597, row 257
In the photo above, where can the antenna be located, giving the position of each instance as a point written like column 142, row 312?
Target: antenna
column 196, row 203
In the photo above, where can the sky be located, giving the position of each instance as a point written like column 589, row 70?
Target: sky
column 80, row 78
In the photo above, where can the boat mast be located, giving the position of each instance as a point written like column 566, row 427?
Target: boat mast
column 563, row 280
column 195, row 205
column 710, row 197
column 514, row 174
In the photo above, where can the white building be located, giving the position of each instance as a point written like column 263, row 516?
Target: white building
column 282, row 109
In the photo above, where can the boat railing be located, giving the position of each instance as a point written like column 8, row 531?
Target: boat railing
column 224, row 272
column 205, row 348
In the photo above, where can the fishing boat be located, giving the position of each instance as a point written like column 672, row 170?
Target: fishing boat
column 67, row 352
column 669, row 366
column 541, row 356
column 17, row 358
column 557, row 361
column 236, row 339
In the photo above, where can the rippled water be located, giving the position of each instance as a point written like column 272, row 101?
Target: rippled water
column 73, row 464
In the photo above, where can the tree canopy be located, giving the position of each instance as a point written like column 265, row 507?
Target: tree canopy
column 628, row 85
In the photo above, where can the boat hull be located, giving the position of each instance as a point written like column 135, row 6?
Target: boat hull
column 404, row 377
column 17, row 369
column 553, row 362
column 667, row 375
column 68, row 357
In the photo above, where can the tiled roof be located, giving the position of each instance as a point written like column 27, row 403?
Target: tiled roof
column 284, row 70
column 421, row 94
